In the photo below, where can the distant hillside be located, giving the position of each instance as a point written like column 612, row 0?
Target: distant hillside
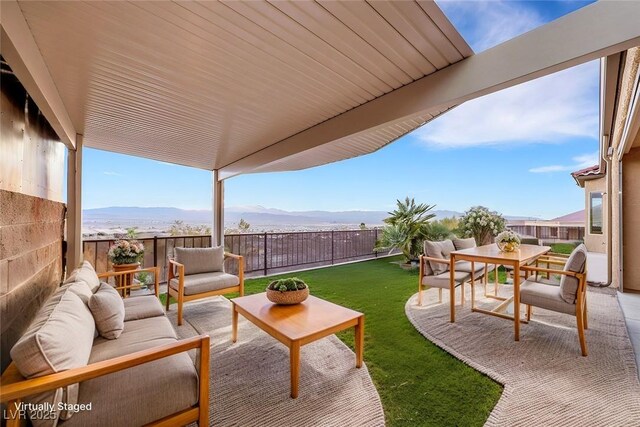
column 157, row 218
column 258, row 216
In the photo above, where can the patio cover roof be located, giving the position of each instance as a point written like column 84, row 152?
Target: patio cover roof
column 263, row 86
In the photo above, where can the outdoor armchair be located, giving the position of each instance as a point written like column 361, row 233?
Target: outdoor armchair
column 196, row 273
column 569, row 295
column 436, row 266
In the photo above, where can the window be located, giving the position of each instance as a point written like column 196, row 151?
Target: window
column 595, row 213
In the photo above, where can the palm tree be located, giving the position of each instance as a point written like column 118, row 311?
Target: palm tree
column 408, row 226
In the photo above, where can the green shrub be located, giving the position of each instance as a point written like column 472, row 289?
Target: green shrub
column 286, row 285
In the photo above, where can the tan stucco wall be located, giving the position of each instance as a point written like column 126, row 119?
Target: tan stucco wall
column 631, row 189
column 631, row 219
column 596, row 242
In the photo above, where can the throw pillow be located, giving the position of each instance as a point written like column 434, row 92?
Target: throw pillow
column 107, row 308
column 577, row 264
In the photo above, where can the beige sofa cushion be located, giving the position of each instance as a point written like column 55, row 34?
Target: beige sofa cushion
column 200, row 260
column 206, row 282
column 107, row 309
column 461, row 244
column 576, row 263
column 85, row 273
column 142, row 307
column 59, row 338
column 440, row 250
column 82, row 290
column 142, row 394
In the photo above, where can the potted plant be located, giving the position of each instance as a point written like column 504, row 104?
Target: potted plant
column 481, row 224
column 126, row 255
column 508, row 241
column 287, row 291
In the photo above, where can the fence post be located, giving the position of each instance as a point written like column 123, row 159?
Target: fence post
column 332, row 245
column 155, row 251
column 265, row 254
column 376, row 240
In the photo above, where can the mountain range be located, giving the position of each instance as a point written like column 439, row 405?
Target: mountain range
column 257, row 216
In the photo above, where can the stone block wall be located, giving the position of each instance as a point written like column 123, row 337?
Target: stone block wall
column 31, row 236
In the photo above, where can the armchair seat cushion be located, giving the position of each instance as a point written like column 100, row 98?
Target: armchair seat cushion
column 465, row 266
column 142, row 307
column 206, row 282
column 544, row 295
column 442, row 280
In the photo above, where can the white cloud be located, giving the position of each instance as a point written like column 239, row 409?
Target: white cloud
column 111, row 173
column 551, row 109
column 485, row 24
column 580, row 162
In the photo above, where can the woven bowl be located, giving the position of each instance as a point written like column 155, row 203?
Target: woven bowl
column 288, row 297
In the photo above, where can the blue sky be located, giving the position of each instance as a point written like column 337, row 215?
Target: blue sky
column 511, row 151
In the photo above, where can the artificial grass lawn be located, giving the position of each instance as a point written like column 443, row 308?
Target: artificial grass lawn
column 419, row 384
column 562, row 248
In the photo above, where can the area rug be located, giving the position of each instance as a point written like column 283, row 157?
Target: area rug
column 546, row 380
column 250, row 379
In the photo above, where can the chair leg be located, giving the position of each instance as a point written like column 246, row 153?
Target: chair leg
column 180, row 302
column 580, row 319
column 529, row 311
column 168, row 298
column 420, row 295
column 462, row 294
column 495, row 281
column 584, row 314
column 440, row 296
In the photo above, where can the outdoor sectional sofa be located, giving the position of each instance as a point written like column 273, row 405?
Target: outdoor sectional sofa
column 143, row 376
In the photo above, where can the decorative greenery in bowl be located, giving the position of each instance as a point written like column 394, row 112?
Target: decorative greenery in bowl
column 287, row 291
column 126, row 252
column 508, row 241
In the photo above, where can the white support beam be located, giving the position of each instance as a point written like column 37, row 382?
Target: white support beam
column 22, row 54
column 217, row 231
column 74, row 205
column 594, row 31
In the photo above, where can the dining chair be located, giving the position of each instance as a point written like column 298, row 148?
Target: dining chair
column 568, row 295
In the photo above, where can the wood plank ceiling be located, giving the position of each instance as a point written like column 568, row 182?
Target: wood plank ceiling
column 205, row 84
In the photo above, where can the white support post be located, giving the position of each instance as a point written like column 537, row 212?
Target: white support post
column 74, row 205
column 217, row 231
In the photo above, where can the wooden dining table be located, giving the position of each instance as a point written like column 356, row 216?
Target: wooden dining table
column 491, row 254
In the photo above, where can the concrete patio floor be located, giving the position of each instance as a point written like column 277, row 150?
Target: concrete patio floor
column 630, row 305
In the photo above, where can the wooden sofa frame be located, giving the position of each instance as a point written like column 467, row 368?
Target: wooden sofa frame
column 179, row 295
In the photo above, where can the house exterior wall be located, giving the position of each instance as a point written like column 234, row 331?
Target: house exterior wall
column 31, row 212
column 631, row 220
column 623, row 188
column 595, row 242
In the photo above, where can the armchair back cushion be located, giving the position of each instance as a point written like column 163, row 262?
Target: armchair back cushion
column 440, row 250
column 576, row 263
column 200, row 260
column 107, row 308
column 461, row 244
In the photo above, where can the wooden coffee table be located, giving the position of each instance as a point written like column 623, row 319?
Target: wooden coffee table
column 297, row 325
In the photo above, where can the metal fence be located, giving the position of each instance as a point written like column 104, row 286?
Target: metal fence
column 264, row 253
column 550, row 233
